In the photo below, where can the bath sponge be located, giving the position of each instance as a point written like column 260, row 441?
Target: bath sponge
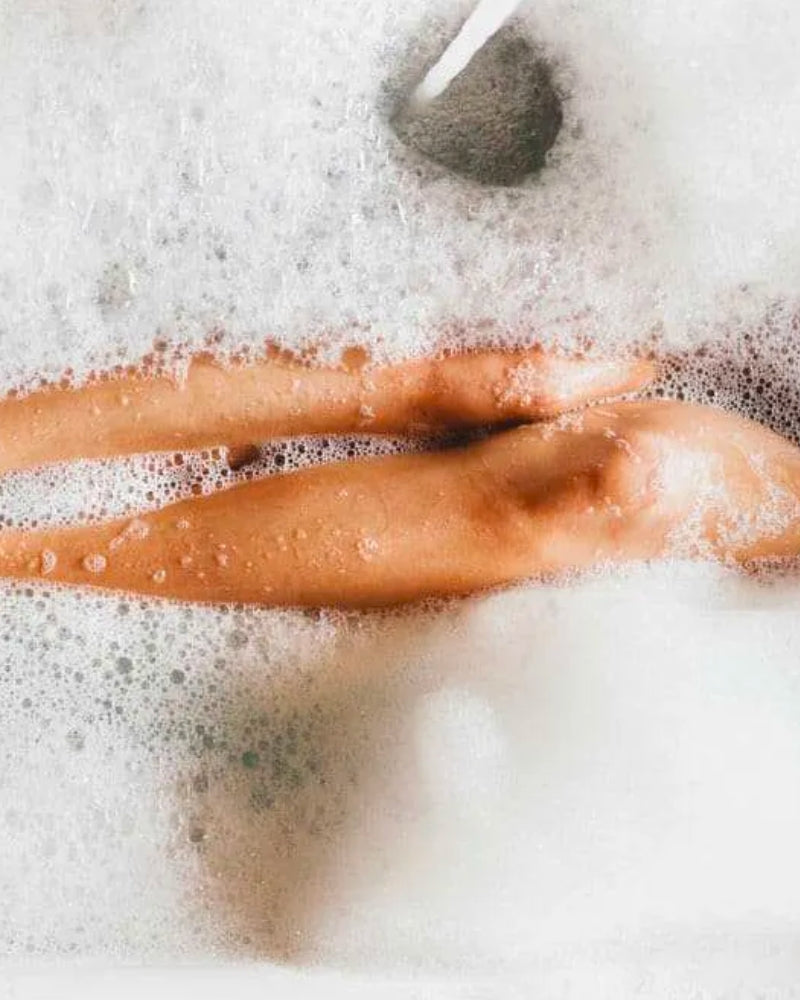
column 496, row 120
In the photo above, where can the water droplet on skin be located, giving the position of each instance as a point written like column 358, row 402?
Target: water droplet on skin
column 48, row 560
column 222, row 559
column 182, row 524
column 159, row 576
column 94, row 562
column 135, row 531
column 186, row 561
column 368, row 548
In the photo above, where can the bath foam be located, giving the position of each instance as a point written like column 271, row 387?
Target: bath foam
column 171, row 171
column 218, row 783
column 362, row 792
column 102, row 490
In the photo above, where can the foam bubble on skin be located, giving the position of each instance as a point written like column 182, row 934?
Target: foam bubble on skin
column 49, row 560
column 524, row 383
column 134, row 531
column 94, row 563
column 163, row 182
column 712, row 518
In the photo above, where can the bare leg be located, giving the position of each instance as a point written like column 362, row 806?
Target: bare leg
column 240, row 404
column 625, row 482
column 355, row 534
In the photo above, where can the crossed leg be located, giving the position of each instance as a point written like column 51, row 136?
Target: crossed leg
column 617, row 482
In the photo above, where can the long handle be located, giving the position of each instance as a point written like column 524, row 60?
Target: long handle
column 487, row 19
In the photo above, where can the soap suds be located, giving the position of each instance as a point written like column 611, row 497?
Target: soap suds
column 94, row 491
column 535, row 778
column 164, row 184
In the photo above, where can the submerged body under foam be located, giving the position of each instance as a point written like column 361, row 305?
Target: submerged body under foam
column 515, row 784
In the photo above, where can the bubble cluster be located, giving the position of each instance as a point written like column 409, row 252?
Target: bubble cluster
column 104, row 701
column 104, row 490
column 755, row 373
column 165, row 184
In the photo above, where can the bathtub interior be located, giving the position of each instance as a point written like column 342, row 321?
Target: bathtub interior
column 589, row 783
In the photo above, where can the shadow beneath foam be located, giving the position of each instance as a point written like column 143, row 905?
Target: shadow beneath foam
column 286, row 772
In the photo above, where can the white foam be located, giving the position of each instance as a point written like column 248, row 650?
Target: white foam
column 521, row 783
column 161, row 179
column 555, row 781
column 92, row 491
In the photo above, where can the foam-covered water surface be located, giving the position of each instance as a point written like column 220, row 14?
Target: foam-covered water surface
column 516, row 783
column 592, row 787
column 174, row 170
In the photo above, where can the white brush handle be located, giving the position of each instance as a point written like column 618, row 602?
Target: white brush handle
column 487, row 18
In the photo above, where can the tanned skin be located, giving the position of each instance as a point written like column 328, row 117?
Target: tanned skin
column 609, row 483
